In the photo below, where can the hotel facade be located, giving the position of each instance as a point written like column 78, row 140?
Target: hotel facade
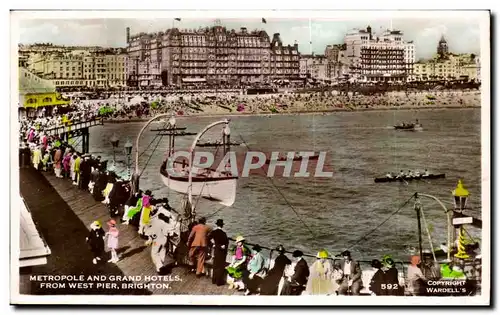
column 210, row 55
column 80, row 68
column 378, row 58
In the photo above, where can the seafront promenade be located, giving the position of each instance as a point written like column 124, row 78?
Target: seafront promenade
column 63, row 214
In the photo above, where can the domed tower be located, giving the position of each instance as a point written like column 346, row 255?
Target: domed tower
column 442, row 48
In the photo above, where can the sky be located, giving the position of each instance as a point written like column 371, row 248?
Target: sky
column 462, row 34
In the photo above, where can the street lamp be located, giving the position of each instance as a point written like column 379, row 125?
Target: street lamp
column 460, row 197
column 128, row 150
column 114, row 142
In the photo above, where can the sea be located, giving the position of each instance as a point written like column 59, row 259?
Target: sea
column 347, row 210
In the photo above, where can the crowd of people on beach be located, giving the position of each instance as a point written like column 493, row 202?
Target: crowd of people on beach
column 121, row 107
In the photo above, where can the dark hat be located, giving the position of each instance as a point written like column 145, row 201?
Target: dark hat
column 280, row 249
column 346, row 253
column 148, row 192
column 297, row 253
column 219, row 222
column 257, row 248
column 376, row 264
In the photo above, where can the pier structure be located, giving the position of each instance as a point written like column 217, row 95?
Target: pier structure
column 65, row 231
column 75, row 130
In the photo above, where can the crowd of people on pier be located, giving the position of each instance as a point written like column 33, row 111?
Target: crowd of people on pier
column 207, row 248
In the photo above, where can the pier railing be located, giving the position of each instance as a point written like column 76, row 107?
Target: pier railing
column 71, row 127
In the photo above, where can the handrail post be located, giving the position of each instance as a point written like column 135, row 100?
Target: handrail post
column 190, row 160
column 449, row 224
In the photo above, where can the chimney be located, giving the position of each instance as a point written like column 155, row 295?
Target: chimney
column 276, row 40
column 128, row 35
column 369, row 30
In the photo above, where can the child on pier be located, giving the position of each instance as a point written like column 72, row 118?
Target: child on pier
column 96, row 240
column 113, row 234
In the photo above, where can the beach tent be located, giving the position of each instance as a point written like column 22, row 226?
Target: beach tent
column 136, row 100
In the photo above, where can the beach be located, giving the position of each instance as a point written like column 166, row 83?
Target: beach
column 295, row 104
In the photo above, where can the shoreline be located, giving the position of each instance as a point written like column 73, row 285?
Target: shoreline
column 324, row 111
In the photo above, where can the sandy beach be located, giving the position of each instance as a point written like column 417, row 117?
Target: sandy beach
column 294, row 104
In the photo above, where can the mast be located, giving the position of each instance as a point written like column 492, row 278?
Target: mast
column 417, row 208
column 190, row 161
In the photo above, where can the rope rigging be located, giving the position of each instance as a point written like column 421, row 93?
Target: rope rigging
column 383, row 222
column 283, row 196
column 149, row 145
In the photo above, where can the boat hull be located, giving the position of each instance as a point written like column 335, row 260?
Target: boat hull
column 422, row 177
column 222, row 190
column 409, row 128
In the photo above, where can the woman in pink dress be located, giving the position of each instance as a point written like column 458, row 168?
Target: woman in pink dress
column 113, row 240
column 66, row 163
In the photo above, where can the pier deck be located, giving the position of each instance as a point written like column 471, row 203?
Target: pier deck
column 63, row 213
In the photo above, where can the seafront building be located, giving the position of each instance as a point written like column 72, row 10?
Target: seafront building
column 78, row 67
column 378, row 58
column 448, row 66
column 315, row 67
column 36, row 94
column 211, row 55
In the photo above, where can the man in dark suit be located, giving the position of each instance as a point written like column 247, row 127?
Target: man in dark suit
column 220, row 243
column 351, row 281
column 295, row 284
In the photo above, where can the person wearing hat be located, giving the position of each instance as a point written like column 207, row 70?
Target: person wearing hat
column 271, row 282
column 95, row 239
column 377, row 283
column 113, row 234
column 146, row 211
column 320, row 280
column 220, row 243
column 85, row 172
column 132, row 207
column 295, row 283
column 198, row 246
column 241, row 255
column 255, row 271
column 391, row 277
column 351, row 280
column 58, row 163
column 76, row 167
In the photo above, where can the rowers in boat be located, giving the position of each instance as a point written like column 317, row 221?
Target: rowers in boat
column 402, row 176
column 409, row 127
column 297, row 157
column 216, row 143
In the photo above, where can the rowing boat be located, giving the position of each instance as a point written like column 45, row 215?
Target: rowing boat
column 295, row 158
column 408, row 178
column 412, row 127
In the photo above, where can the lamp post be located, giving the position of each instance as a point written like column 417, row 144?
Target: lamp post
column 128, row 150
column 114, row 142
column 460, row 198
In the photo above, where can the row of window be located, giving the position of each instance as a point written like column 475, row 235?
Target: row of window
column 34, row 100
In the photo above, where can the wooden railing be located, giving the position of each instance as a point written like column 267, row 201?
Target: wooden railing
column 72, row 127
